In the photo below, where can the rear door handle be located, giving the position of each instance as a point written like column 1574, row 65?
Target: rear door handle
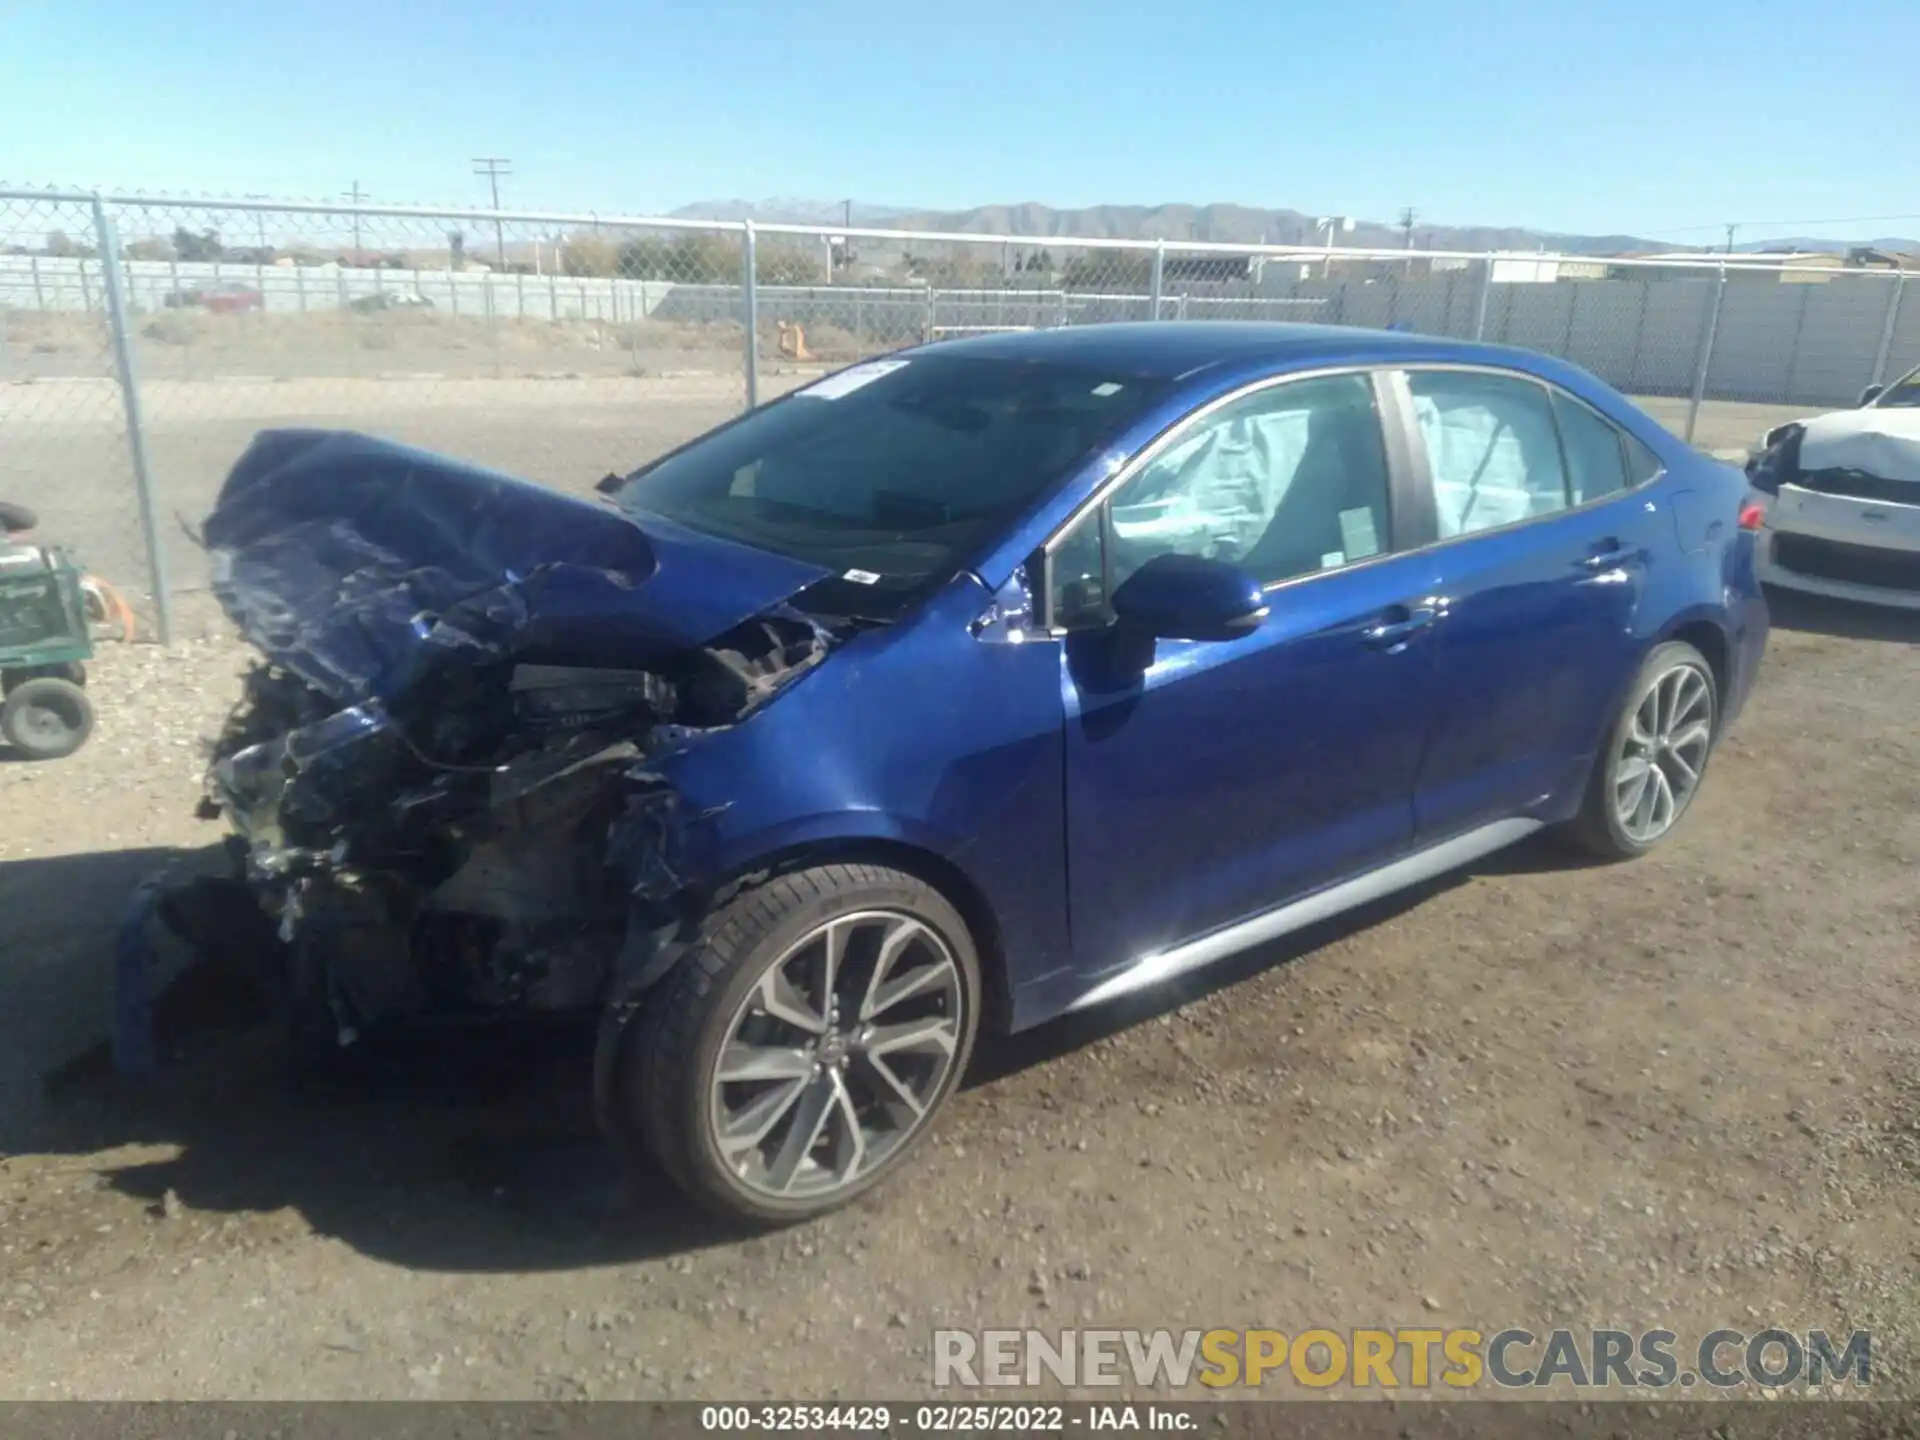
column 1391, row 633
column 1610, row 555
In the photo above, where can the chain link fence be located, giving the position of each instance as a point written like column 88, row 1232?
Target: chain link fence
column 145, row 340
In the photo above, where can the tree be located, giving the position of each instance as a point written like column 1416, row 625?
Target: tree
column 786, row 266
column 457, row 249
column 1108, row 269
column 151, row 248
column 204, row 246
column 61, row 244
column 696, row 258
column 589, row 255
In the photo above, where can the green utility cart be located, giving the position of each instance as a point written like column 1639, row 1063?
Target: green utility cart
column 45, row 644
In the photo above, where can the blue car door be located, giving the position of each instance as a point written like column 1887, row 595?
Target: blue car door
column 1542, row 556
column 1211, row 780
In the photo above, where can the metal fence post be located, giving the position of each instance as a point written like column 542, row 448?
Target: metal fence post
column 1480, row 301
column 1159, row 274
column 136, row 431
column 1706, row 353
column 750, row 279
column 1887, row 329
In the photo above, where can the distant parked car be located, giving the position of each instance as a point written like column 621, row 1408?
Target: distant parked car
column 1845, row 517
column 390, row 300
column 225, row 298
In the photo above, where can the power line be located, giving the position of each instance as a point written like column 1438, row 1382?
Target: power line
column 493, row 167
column 1775, row 224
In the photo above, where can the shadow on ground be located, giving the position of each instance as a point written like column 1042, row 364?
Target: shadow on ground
column 1822, row 615
column 453, row 1149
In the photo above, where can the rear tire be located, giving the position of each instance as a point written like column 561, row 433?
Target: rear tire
column 799, row 1053
column 46, row 718
column 1656, row 755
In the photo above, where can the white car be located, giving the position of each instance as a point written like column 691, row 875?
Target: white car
column 1845, row 514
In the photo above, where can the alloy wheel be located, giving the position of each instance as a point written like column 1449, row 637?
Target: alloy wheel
column 1663, row 752
column 837, row 1055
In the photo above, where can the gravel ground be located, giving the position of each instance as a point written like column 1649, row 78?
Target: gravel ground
column 1680, row 1092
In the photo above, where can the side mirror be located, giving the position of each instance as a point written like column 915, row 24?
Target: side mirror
column 1871, row 394
column 1188, row 597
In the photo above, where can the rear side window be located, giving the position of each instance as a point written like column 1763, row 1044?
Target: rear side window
column 1596, row 461
column 1642, row 463
column 1492, row 449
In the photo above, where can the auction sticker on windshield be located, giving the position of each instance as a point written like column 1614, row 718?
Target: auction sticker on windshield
column 851, row 379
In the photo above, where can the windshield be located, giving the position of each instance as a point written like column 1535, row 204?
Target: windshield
column 892, row 473
column 1903, row 394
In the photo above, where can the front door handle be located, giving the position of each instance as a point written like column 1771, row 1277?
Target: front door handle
column 1389, row 634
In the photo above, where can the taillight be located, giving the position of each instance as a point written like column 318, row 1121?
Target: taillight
column 1752, row 515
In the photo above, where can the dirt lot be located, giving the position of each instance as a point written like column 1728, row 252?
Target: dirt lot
column 1681, row 1092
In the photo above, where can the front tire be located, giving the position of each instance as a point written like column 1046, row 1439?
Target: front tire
column 798, row 1055
column 1655, row 758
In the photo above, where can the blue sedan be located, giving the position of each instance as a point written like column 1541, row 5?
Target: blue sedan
column 961, row 689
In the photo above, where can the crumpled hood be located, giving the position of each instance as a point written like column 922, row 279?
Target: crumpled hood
column 365, row 567
column 1878, row 442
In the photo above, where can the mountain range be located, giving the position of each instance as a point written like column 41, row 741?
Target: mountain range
column 1223, row 224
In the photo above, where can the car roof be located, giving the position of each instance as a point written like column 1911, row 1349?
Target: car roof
column 1179, row 349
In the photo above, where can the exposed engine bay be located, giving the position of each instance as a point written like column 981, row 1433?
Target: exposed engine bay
column 440, row 778
column 487, row 853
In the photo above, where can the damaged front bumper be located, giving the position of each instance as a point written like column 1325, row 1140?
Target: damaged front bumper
column 446, row 796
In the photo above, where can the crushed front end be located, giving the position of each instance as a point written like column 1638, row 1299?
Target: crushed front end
column 442, row 779
column 1844, row 517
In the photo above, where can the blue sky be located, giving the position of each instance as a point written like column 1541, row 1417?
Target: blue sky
column 1624, row 117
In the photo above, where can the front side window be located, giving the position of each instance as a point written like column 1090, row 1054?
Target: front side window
column 893, row 473
column 1492, row 449
column 1287, row 481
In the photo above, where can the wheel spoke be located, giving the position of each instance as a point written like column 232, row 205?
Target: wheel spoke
column 901, row 1092
column 832, row 953
column 779, row 999
column 1635, row 787
column 1641, row 731
column 934, row 1033
column 850, row 1144
column 1691, row 696
column 899, row 936
column 1688, row 776
column 740, row 1063
column 751, row 1124
column 1632, row 767
column 1694, row 734
column 905, row 987
column 817, row 1104
column 1645, row 802
column 1661, row 813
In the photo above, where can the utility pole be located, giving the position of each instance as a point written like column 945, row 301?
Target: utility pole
column 1730, row 230
column 1407, row 217
column 493, row 167
column 356, row 195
